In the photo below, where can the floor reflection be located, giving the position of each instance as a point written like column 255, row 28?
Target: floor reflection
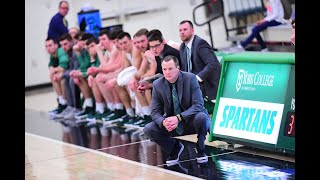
column 132, row 145
column 222, row 164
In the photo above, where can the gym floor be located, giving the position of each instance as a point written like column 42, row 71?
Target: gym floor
column 65, row 150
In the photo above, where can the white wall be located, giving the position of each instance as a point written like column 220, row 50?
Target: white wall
column 39, row 13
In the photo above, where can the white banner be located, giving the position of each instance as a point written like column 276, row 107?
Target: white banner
column 252, row 120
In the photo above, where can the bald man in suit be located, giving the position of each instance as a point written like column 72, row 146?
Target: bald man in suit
column 204, row 63
column 179, row 113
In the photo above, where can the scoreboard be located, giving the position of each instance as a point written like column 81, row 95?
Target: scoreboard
column 255, row 104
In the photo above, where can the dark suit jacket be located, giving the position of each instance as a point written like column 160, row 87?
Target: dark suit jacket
column 204, row 64
column 190, row 97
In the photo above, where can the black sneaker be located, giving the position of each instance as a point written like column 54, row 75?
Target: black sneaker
column 123, row 120
column 175, row 154
column 147, row 119
column 60, row 111
column 114, row 117
column 105, row 113
column 85, row 113
column 138, row 123
column 91, row 117
column 132, row 121
column 201, row 156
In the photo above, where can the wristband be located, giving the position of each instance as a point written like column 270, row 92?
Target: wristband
column 179, row 117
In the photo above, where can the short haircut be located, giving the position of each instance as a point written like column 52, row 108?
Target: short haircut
column 114, row 33
column 170, row 57
column 141, row 32
column 154, row 31
column 92, row 40
column 187, row 21
column 62, row 2
column 86, row 36
column 79, row 35
column 124, row 34
column 155, row 35
column 65, row 36
column 106, row 32
column 54, row 40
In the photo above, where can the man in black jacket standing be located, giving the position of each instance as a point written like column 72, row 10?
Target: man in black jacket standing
column 198, row 57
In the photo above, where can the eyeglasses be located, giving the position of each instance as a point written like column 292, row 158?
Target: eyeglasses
column 67, row 8
column 155, row 46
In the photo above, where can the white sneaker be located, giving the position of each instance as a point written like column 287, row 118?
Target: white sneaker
column 236, row 49
column 78, row 111
column 265, row 50
column 69, row 114
column 64, row 112
column 240, row 46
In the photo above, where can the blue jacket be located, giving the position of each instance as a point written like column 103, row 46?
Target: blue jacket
column 57, row 27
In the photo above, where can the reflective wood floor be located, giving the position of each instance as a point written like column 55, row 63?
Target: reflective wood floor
column 56, row 150
column 50, row 159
